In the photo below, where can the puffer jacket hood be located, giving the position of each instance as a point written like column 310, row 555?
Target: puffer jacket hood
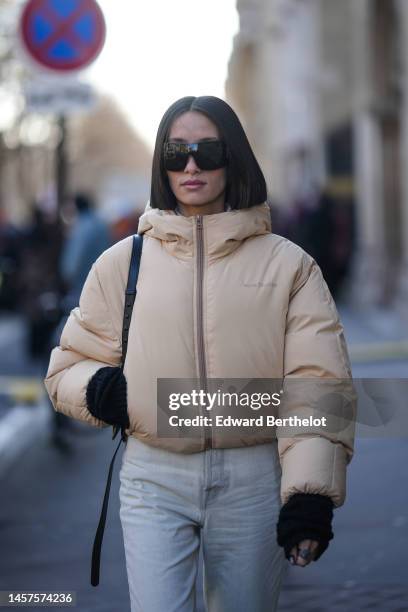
column 224, row 231
column 218, row 297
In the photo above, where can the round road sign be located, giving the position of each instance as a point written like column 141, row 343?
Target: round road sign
column 63, row 35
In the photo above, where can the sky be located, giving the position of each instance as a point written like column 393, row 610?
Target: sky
column 157, row 51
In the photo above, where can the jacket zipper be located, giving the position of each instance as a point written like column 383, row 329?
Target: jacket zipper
column 200, row 323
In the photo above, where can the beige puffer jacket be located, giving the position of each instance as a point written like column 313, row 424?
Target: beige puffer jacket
column 218, row 296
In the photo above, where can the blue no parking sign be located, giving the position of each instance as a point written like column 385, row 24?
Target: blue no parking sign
column 63, row 35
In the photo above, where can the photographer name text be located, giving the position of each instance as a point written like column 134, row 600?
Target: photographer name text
column 260, row 421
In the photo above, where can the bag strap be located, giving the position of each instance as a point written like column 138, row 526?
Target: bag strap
column 131, row 292
column 127, row 315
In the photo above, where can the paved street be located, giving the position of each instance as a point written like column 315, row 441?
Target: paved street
column 48, row 521
column 51, row 503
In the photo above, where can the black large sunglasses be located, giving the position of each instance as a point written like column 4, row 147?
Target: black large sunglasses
column 209, row 155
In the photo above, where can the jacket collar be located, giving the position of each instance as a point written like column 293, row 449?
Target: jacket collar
column 223, row 232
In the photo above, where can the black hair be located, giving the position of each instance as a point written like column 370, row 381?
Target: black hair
column 246, row 184
column 83, row 202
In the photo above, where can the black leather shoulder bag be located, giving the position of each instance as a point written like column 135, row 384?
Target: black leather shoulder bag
column 127, row 315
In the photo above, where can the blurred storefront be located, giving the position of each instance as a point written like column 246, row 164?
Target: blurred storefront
column 272, row 82
column 100, row 146
column 321, row 88
column 380, row 114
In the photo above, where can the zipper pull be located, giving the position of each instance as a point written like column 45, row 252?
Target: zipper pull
column 199, row 222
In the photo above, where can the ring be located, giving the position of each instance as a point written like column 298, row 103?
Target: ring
column 305, row 553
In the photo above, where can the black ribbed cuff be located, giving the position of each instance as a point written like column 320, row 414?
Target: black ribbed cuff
column 305, row 516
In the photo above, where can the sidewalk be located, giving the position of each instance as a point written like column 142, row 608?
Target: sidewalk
column 344, row 598
column 24, row 413
column 374, row 335
column 48, row 518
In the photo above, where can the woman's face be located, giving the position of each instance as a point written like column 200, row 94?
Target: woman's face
column 208, row 195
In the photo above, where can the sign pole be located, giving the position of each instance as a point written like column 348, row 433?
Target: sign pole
column 61, row 36
column 61, row 166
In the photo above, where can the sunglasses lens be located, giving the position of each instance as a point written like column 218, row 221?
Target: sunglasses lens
column 177, row 163
column 210, row 155
column 207, row 155
column 175, row 156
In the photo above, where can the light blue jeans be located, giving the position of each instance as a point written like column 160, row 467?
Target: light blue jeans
column 226, row 499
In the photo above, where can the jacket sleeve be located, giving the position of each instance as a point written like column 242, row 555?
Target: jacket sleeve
column 317, row 382
column 88, row 342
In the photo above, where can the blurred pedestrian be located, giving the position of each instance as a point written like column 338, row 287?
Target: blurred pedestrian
column 41, row 290
column 219, row 296
column 323, row 227
column 88, row 237
column 39, row 283
column 341, row 213
column 10, row 263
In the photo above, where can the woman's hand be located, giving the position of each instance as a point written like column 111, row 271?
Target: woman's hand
column 304, row 524
column 303, row 553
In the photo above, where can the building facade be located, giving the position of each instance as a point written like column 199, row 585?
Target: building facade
column 273, row 84
column 321, row 87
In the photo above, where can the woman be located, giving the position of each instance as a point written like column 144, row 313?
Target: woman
column 219, row 296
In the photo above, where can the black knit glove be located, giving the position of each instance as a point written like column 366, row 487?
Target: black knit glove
column 106, row 396
column 305, row 516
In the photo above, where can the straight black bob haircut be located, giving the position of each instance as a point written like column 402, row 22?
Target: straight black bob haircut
column 246, row 184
